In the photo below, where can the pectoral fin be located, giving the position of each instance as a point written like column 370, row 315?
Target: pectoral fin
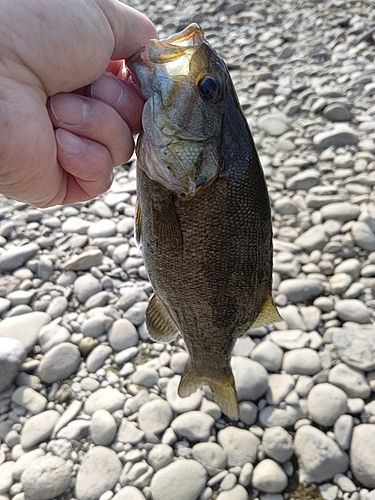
column 138, row 224
column 223, row 390
column 269, row 314
column 160, row 325
column 167, row 225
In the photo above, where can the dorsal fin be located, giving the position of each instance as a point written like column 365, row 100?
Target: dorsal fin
column 160, row 325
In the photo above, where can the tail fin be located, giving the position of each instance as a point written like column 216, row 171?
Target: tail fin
column 223, row 389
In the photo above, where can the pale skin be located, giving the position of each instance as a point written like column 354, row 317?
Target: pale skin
column 58, row 142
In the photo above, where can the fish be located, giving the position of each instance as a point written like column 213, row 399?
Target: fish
column 202, row 216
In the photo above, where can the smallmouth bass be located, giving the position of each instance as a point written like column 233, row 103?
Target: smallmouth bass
column 203, row 214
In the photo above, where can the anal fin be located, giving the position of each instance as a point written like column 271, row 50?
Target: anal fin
column 269, row 314
column 160, row 325
column 223, row 390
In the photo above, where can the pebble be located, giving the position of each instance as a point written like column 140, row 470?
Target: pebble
column 325, row 404
column 24, row 461
column 236, row 493
column 182, row 405
column 31, row 322
column 12, row 354
column 353, row 310
column 46, row 478
column 240, row 445
column 340, row 136
column 105, row 398
column 6, row 476
column 250, row 378
column 356, row 346
column 122, row 335
column 59, row 362
column 84, row 260
column 85, row 286
column 352, row 381
column 180, row 479
column 103, row 428
column 38, row 428
column 319, row 457
column 154, row 417
column 285, row 416
column 129, row 433
column 211, row 456
column 301, row 290
column 362, row 454
column 57, row 307
column 269, row 477
column 301, row 362
column 275, row 124
column 277, row 444
column 29, row 399
column 193, row 425
column 16, row 256
column 268, row 354
column 97, row 356
column 102, row 229
column 279, row 385
column 343, row 212
column 363, row 236
column 98, row 473
column 314, row 238
column 161, row 455
column 343, row 429
column 51, row 335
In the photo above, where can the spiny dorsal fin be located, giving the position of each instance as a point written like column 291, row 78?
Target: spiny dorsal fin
column 269, row 314
column 223, row 390
column 160, row 325
column 138, row 224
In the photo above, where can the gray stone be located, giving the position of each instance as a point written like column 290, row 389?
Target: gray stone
column 25, row 328
column 319, row 457
column 97, row 357
column 99, row 472
column 286, row 51
column 96, row 326
column 211, row 456
column 25, row 460
column 301, row 290
column 314, row 238
column 12, row 354
column 277, row 444
column 239, row 444
column 337, row 113
column 344, row 211
column 302, row 362
column 250, row 378
column 337, row 137
column 75, row 225
column 279, row 386
column 102, row 229
column 303, row 180
column 59, row 362
column 84, row 260
column 325, row 403
column 51, row 335
column 290, row 339
column 129, row 493
column 285, row 206
column 46, row 478
column 161, row 455
column 353, row 310
column 38, row 429
column 363, row 236
column 275, row 124
column 146, row 377
column 362, row 454
column 193, row 425
column 85, row 286
column 343, row 429
column 19, row 297
column 103, row 428
column 57, row 307
column 75, row 430
column 129, row 433
column 136, row 313
column 154, row 417
column 269, row 477
column 350, row 380
column 356, row 346
column 29, row 399
column 285, row 416
column 268, row 354
column 105, row 398
column 6, row 477
column 122, row 334
column 15, row 257
column 236, row 493
column 131, row 295
column 183, row 479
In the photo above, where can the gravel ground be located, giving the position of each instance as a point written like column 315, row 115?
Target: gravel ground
column 88, row 404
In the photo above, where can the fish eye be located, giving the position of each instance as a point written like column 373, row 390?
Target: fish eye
column 209, row 88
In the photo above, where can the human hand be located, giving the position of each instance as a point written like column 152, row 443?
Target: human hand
column 57, row 145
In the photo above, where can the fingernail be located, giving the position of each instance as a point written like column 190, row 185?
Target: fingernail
column 70, row 143
column 68, row 108
column 107, row 89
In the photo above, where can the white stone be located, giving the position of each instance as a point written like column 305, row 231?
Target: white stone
column 268, row 476
column 103, row 428
column 325, row 403
column 240, row 445
column 277, row 444
column 46, row 478
column 362, row 454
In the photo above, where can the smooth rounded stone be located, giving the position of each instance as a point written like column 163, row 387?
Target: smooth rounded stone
column 279, row 386
column 105, row 398
column 100, row 299
column 355, row 346
column 250, row 378
column 75, row 225
column 131, row 295
column 277, row 444
column 352, row 381
column 6, row 477
column 349, row 266
column 303, row 361
column 272, row 416
column 193, row 425
column 290, row 339
column 129, row 433
column 19, row 310
column 160, row 456
column 4, row 305
column 85, row 286
column 314, row 238
column 344, row 483
column 269, row 477
column 339, row 283
column 236, row 493
column 229, row 482
column 57, row 307
column 344, row 211
column 126, row 355
column 51, row 335
column 122, row 334
column 343, row 429
column 243, row 346
column 136, row 313
column 154, row 417
column 38, row 429
column 248, row 412
column 325, row 403
column 46, row 478
column 303, row 180
column 362, row 454
column 353, row 310
column 182, row 479
column 19, row 297
column 129, row 493
column 240, row 445
column 103, row 428
column 319, row 457
column 59, row 362
column 291, row 314
column 182, row 405
column 16, row 256
column 178, row 361
column 12, row 355
column 337, row 113
column 268, row 354
column 29, row 399
column 97, row 356
column 99, row 472
column 84, row 260
column 86, row 345
column 285, row 206
column 363, row 236
column 275, row 124
column 102, row 229
column 96, row 326
column 342, row 135
column 302, row 289
column 25, row 328
column 102, row 209
column 146, row 377
column 24, row 461
column 211, row 456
